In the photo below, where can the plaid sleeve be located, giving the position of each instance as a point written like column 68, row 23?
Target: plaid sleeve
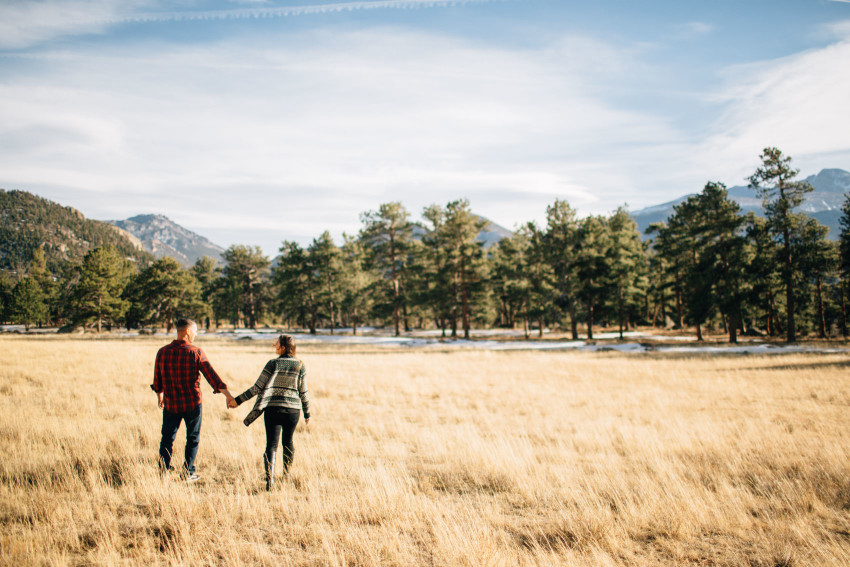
column 209, row 373
column 157, row 373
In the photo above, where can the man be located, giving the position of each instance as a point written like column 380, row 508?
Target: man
column 178, row 389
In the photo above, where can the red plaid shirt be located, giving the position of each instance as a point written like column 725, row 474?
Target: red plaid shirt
column 176, row 376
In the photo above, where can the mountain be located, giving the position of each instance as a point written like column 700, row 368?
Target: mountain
column 490, row 235
column 823, row 204
column 161, row 236
column 28, row 221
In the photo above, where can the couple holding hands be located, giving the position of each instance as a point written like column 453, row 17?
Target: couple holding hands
column 281, row 392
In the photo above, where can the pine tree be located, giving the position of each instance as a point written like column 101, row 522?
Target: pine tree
column 208, row 274
column 592, row 276
column 509, row 278
column 356, row 282
column 844, row 259
column 560, row 243
column 245, row 275
column 96, row 297
column 723, row 254
column 164, row 292
column 297, row 285
column 466, row 260
column 326, row 260
column 775, row 183
column 387, row 234
column 27, row 305
column 627, row 264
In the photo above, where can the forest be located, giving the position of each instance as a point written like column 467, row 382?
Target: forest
column 708, row 267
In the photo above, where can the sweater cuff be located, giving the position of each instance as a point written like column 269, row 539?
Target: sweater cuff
column 241, row 398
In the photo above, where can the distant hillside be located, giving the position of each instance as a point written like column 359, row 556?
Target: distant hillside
column 28, row 221
column 490, row 235
column 823, row 204
column 163, row 237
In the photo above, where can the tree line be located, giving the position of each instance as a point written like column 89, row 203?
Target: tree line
column 707, row 267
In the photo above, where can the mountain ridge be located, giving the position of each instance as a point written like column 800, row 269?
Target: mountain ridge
column 162, row 237
column 824, row 203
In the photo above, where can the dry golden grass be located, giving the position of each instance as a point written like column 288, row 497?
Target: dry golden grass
column 433, row 458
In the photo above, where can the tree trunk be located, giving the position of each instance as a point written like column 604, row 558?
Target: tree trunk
column 589, row 320
column 396, row 317
column 699, row 332
column 844, row 308
column 789, row 287
column 680, row 316
column 620, row 309
column 733, row 329
column 573, row 320
column 821, row 318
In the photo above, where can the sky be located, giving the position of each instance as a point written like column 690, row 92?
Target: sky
column 253, row 122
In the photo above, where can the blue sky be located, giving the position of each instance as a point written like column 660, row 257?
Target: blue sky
column 254, row 122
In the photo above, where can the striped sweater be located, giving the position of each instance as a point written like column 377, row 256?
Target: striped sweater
column 282, row 384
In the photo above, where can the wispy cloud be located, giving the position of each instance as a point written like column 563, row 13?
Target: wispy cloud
column 283, row 11
column 690, row 30
column 797, row 103
column 25, row 23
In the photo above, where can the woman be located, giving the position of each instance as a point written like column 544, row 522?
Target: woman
column 281, row 392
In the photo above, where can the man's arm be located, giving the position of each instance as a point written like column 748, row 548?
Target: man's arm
column 157, row 380
column 212, row 377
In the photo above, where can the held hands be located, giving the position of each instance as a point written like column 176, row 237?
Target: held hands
column 231, row 401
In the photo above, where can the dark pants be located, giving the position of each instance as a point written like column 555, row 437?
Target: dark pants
column 280, row 425
column 170, row 425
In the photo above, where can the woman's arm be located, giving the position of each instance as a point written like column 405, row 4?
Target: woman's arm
column 259, row 385
column 302, row 391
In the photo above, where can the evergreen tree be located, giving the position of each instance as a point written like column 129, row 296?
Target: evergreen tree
column 844, row 259
column 763, row 273
column 560, row 245
column 435, row 285
column 356, row 281
column 326, row 261
column 466, row 261
column 387, row 235
column 164, row 292
column 723, row 254
column 509, row 278
column 592, row 275
column 208, row 274
column 816, row 264
column 775, row 183
column 627, row 266
column 96, row 296
column 245, row 277
column 27, row 305
column 297, row 286
column 540, row 277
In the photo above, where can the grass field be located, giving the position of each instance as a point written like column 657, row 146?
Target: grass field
column 432, row 458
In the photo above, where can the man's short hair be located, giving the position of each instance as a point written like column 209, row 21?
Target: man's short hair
column 183, row 324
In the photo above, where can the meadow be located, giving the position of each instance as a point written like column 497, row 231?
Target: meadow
column 440, row 458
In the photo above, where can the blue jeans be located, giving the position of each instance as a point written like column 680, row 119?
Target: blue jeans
column 170, row 425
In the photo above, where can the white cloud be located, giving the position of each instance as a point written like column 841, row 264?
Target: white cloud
column 797, row 103
column 283, row 137
column 318, row 123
